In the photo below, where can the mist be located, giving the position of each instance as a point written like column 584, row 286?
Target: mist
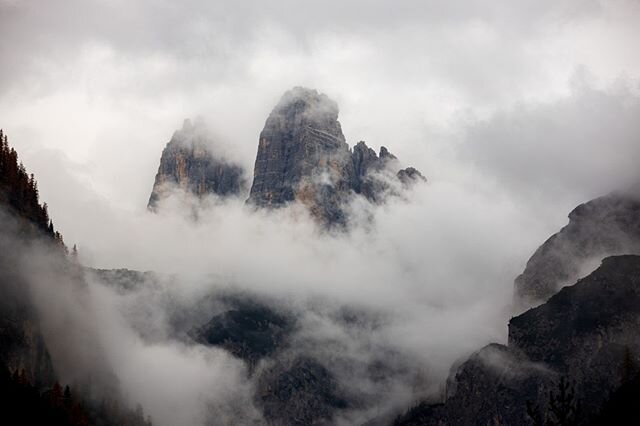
column 514, row 114
column 430, row 298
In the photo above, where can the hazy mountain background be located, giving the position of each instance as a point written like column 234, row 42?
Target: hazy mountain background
column 515, row 113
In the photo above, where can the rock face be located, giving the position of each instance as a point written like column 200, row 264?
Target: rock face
column 587, row 333
column 188, row 163
column 602, row 227
column 374, row 175
column 410, row 176
column 302, row 156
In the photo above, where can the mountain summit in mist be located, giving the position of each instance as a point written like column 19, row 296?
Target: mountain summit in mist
column 302, row 157
column 189, row 163
column 283, row 260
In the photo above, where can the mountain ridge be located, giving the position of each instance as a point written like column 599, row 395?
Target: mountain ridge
column 302, row 157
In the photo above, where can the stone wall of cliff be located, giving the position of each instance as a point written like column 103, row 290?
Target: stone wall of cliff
column 303, row 156
column 189, row 163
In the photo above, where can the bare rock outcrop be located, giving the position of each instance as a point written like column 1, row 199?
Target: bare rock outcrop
column 189, row 163
column 303, row 156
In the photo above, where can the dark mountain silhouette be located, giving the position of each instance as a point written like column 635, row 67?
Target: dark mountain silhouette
column 251, row 331
column 582, row 341
column 19, row 191
column 299, row 392
column 30, row 392
column 602, row 227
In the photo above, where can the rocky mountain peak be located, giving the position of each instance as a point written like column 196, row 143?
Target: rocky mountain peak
column 188, row 162
column 310, row 107
column 302, row 156
column 385, row 154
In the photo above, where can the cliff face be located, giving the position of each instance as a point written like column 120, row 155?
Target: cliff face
column 374, row 175
column 587, row 333
column 302, row 156
column 188, row 163
column 602, row 227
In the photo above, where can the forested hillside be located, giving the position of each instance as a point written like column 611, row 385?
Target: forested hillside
column 19, row 190
column 30, row 389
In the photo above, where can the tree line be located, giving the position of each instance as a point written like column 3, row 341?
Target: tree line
column 19, row 190
column 23, row 403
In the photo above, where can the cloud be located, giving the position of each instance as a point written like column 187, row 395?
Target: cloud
column 515, row 114
column 572, row 149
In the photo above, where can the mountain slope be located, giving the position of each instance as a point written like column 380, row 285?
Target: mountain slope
column 602, row 227
column 588, row 333
column 31, row 250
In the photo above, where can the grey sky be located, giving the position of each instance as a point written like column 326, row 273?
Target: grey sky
column 515, row 111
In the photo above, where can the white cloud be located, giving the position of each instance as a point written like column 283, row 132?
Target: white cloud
column 482, row 97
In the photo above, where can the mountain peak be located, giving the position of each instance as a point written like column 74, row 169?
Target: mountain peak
column 302, row 156
column 189, row 162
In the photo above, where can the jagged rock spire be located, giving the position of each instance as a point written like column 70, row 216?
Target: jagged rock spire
column 302, row 156
column 188, row 163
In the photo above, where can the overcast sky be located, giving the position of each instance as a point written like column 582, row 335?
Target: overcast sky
column 515, row 112
column 537, row 99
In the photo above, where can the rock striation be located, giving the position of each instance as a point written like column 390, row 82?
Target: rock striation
column 602, row 227
column 303, row 156
column 189, row 163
